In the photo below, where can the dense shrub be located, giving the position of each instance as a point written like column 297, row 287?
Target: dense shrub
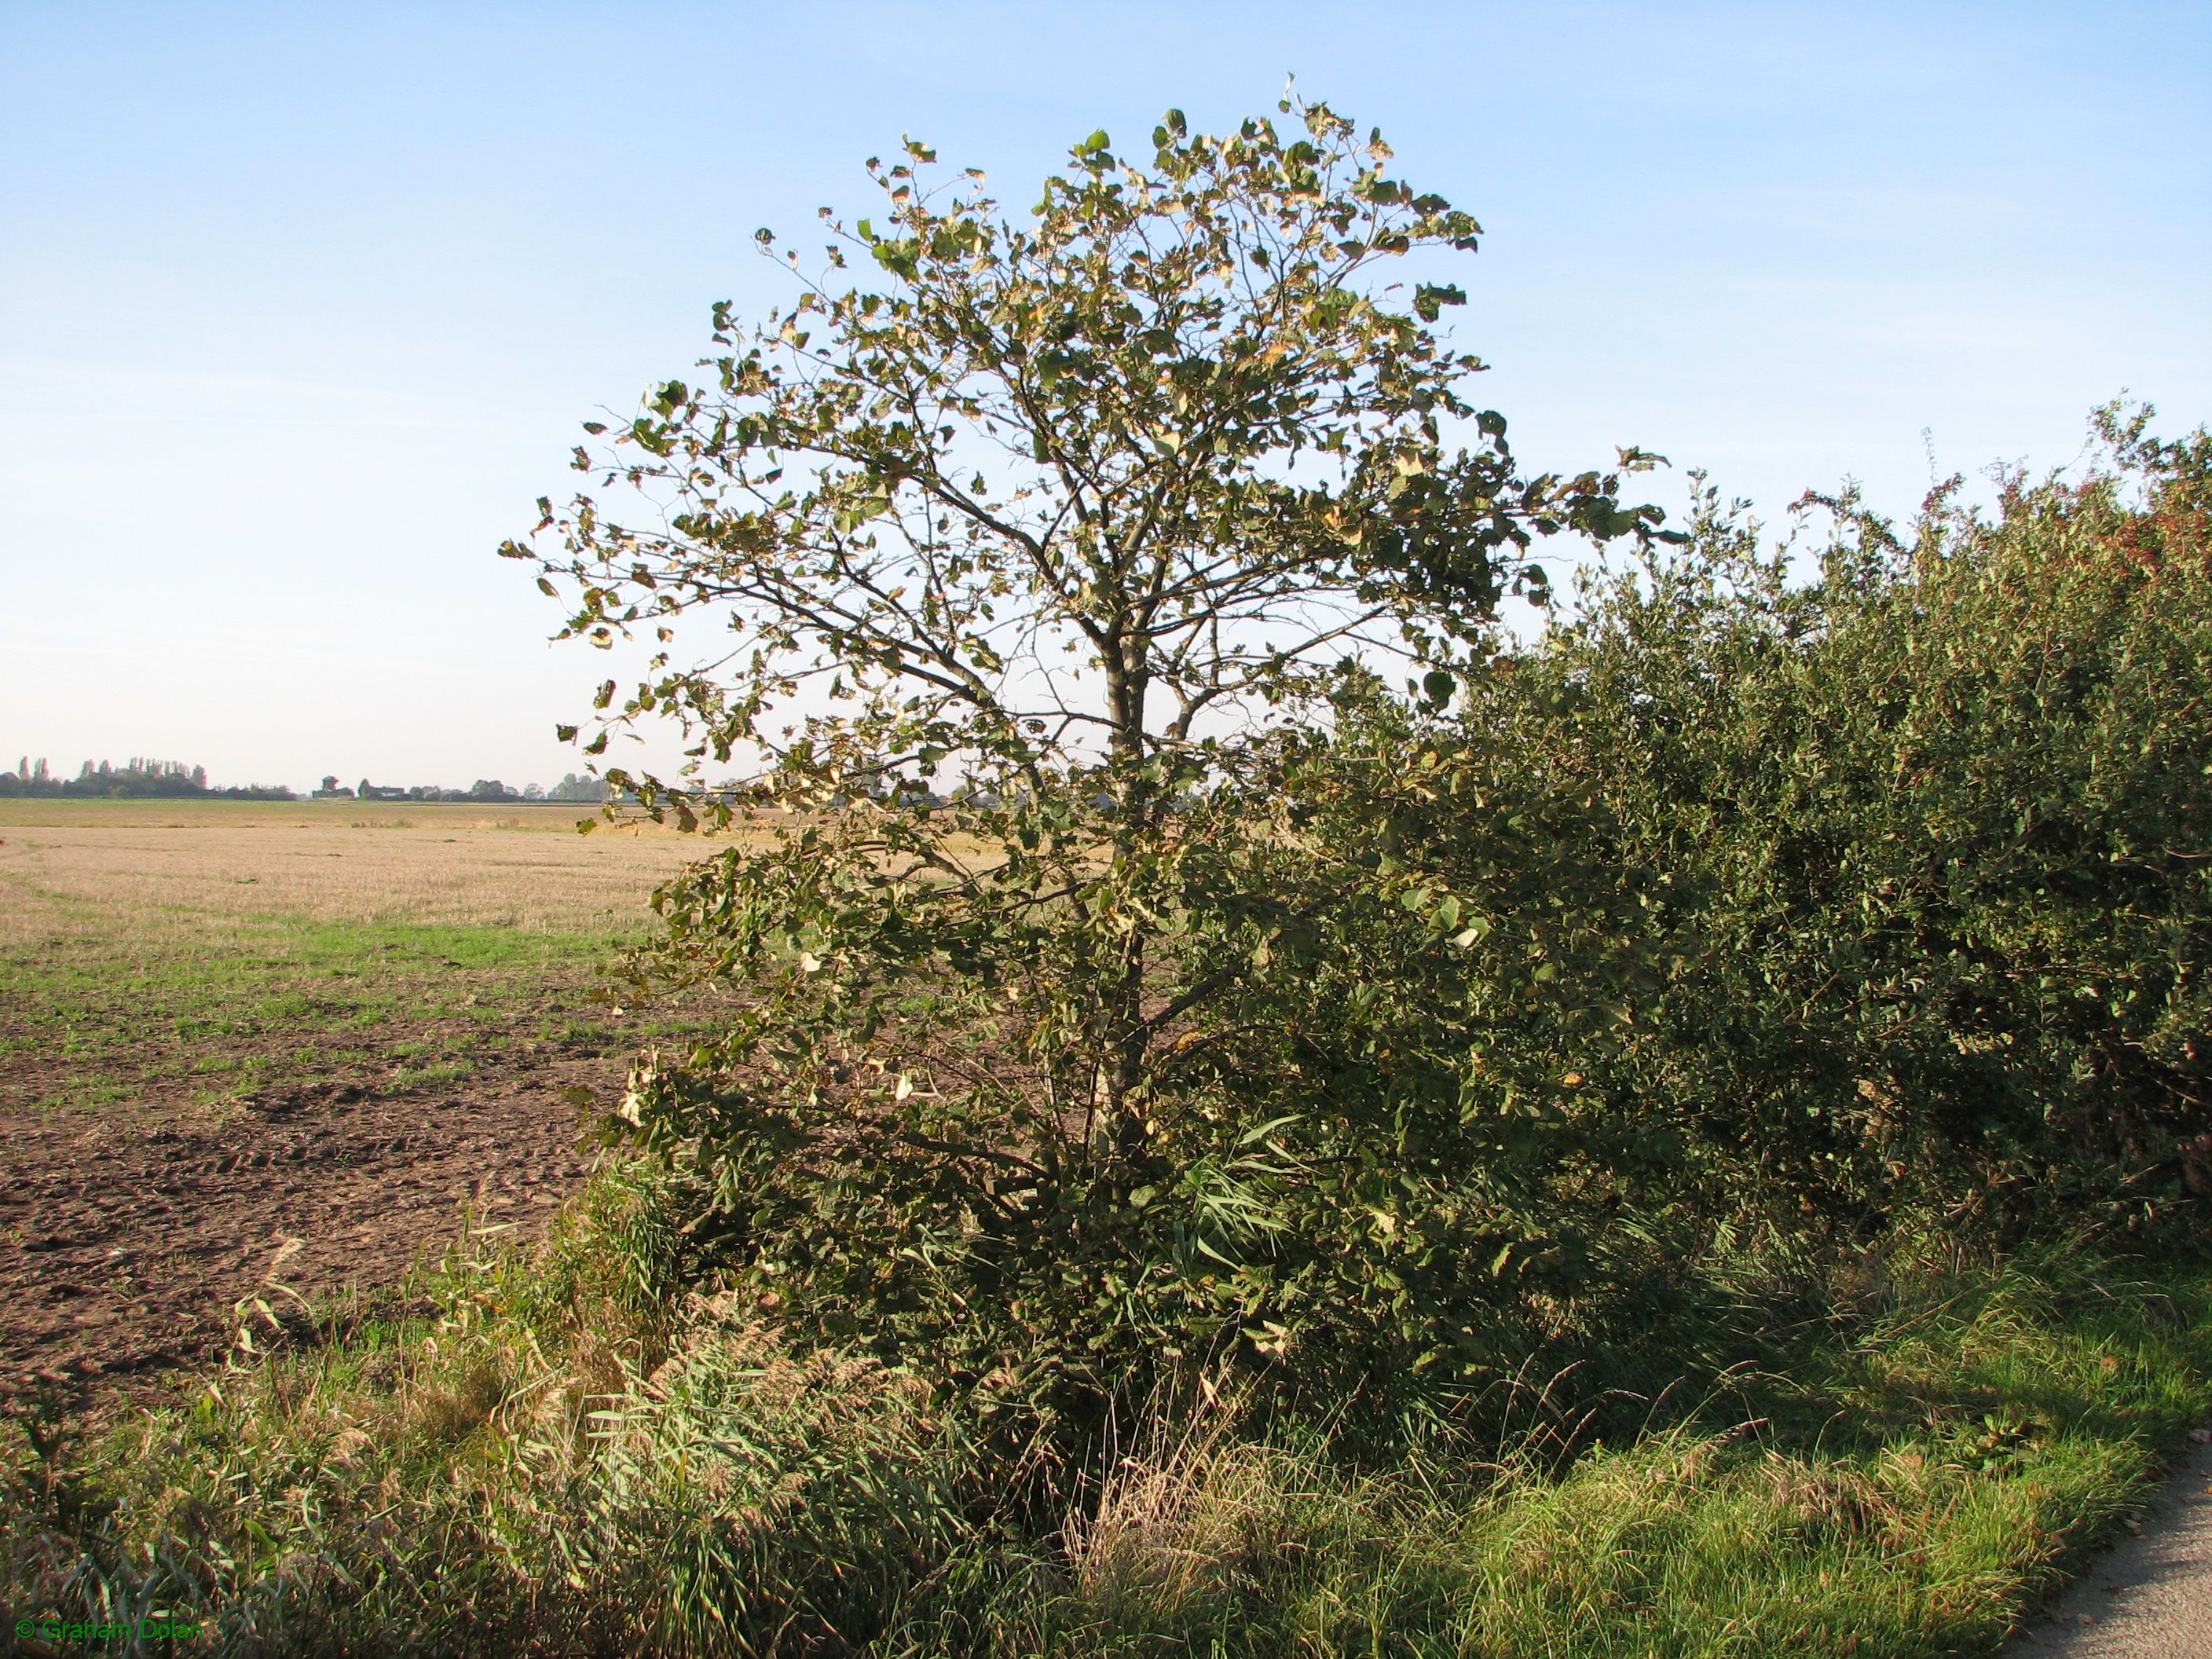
column 1939, row 821
column 1747, row 910
column 1737, row 911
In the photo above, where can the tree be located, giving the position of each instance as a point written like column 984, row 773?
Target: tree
column 574, row 788
column 1088, row 517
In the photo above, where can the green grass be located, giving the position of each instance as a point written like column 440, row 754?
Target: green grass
column 283, row 998
column 145, row 948
column 438, row 1071
column 550, row 1455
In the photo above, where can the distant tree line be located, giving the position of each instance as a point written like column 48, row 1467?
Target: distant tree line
column 570, row 788
column 138, row 776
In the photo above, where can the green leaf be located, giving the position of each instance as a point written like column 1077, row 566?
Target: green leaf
column 1429, row 297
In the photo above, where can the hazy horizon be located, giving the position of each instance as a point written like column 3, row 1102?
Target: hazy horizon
column 96, row 765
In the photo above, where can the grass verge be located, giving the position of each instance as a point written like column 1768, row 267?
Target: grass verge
column 547, row 1455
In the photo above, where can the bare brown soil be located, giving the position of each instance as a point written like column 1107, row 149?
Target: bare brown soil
column 129, row 1238
column 276, row 1054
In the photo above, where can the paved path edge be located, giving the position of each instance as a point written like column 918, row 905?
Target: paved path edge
column 2149, row 1596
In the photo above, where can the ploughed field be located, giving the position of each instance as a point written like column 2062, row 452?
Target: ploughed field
column 258, row 1058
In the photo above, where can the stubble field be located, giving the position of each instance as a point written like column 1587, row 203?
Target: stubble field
column 257, row 1053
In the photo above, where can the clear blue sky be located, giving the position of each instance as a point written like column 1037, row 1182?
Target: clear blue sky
column 300, row 305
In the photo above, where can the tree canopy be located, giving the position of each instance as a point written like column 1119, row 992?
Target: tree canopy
column 1042, row 547
column 1065, row 487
